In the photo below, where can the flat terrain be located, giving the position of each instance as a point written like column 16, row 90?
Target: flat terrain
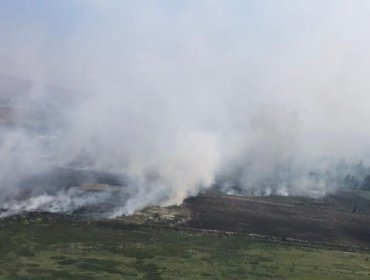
column 342, row 218
column 211, row 236
column 44, row 246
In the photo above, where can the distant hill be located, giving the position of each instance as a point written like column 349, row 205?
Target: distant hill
column 13, row 87
column 21, row 107
column 14, row 90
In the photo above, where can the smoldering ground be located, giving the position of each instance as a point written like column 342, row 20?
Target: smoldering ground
column 176, row 97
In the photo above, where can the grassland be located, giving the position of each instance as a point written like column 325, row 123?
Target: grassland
column 45, row 246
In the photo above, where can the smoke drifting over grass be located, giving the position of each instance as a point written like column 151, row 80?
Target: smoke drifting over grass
column 176, row 96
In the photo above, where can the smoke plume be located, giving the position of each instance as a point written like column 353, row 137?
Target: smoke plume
column 170, row 98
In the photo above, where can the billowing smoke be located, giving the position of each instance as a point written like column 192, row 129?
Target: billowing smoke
column 137, row 103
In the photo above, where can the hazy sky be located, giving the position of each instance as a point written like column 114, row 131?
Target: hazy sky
column 254, row 32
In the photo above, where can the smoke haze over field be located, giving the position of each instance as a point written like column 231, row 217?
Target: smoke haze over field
column 180, row 95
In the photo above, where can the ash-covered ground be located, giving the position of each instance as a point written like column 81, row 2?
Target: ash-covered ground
column 341, row 218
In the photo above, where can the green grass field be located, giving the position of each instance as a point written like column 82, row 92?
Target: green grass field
column 49, row 247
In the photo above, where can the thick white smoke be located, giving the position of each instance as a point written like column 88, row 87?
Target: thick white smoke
column 257, row 97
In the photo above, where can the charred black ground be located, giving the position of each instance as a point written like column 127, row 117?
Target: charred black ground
column 339, row 218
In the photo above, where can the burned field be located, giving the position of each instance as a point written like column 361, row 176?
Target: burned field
column 342, row 218
column 211, row 236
